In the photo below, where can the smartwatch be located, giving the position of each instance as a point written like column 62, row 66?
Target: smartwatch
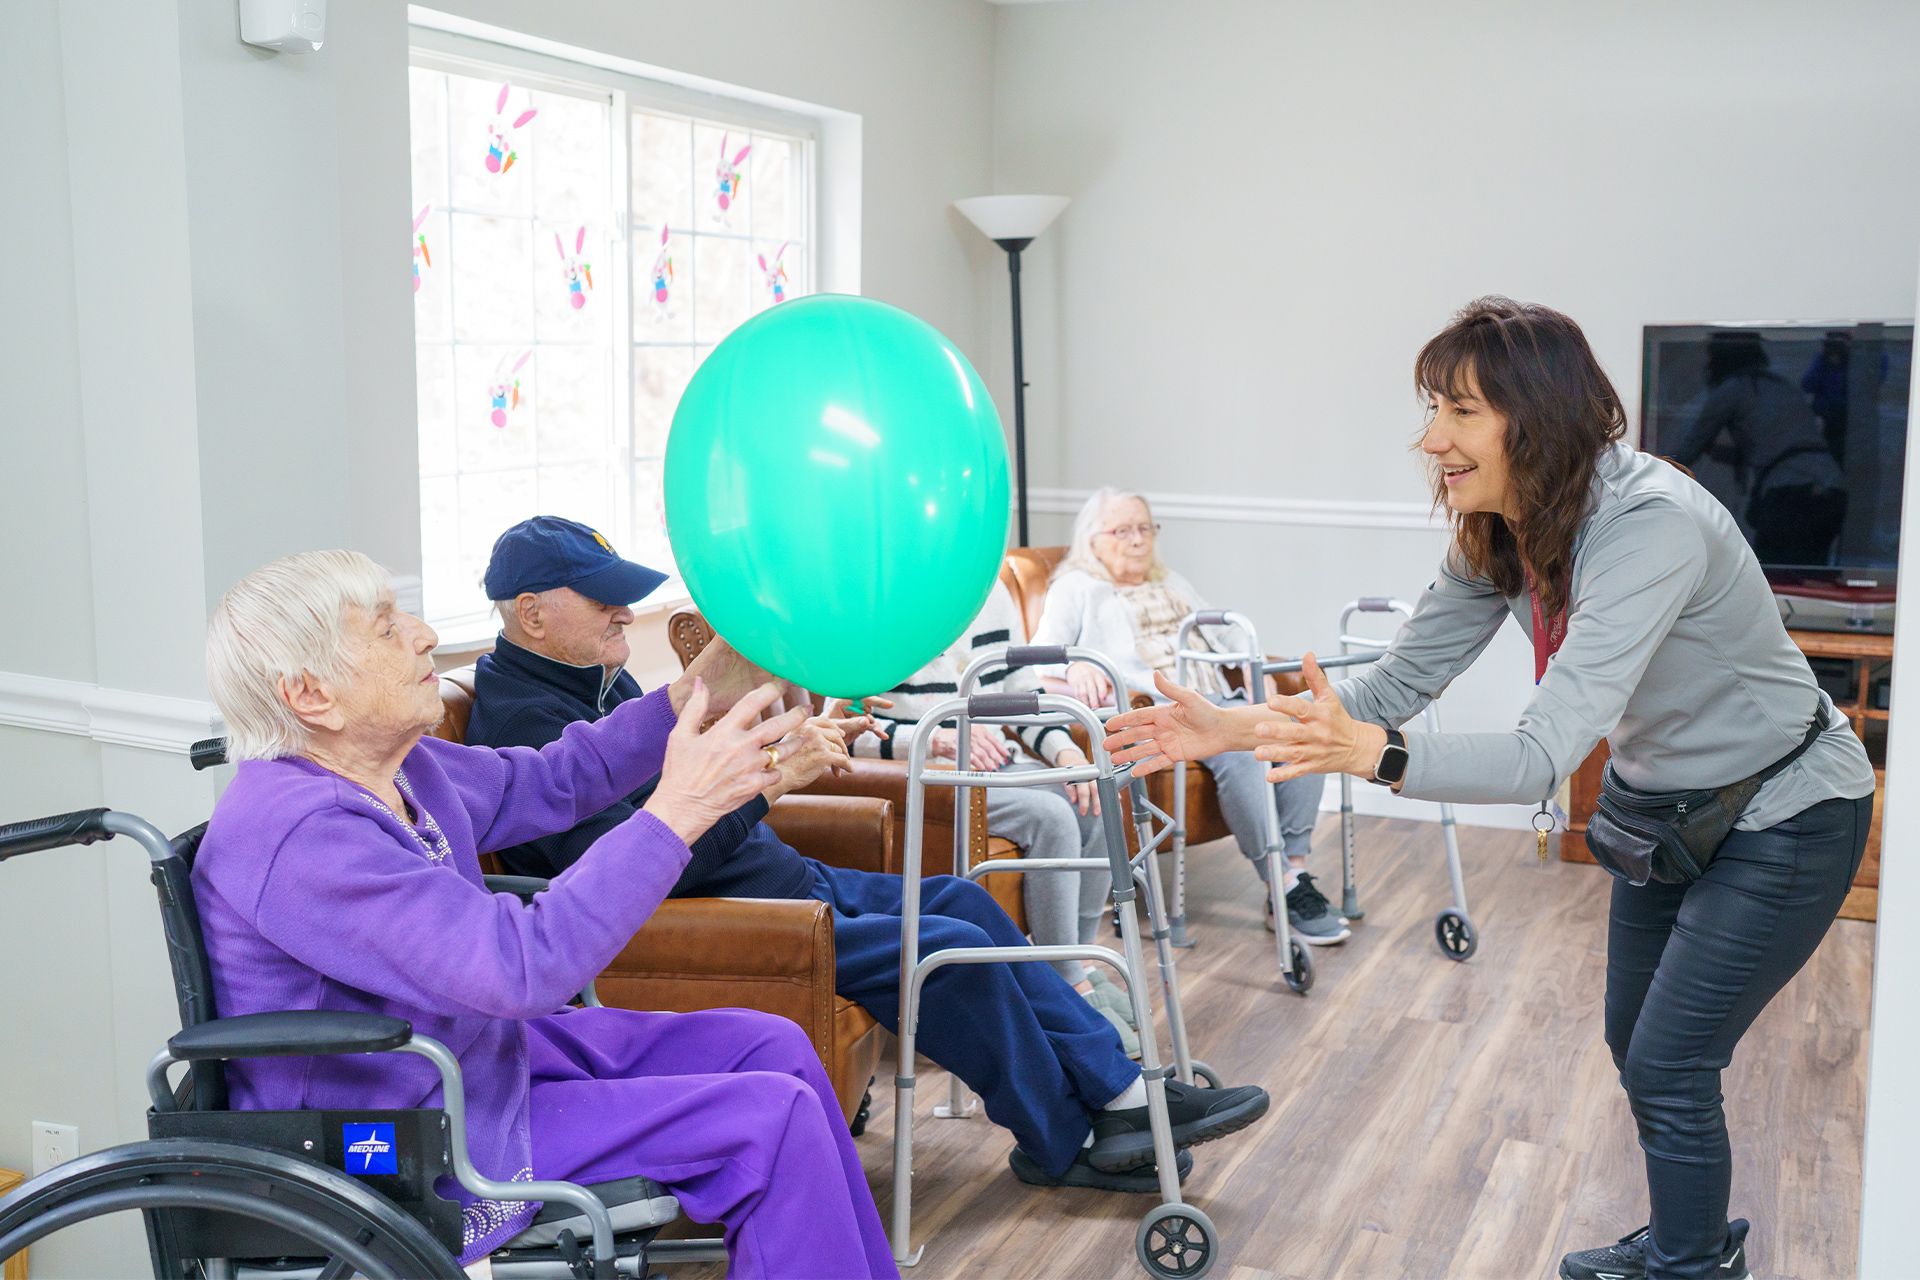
column 1392, row 765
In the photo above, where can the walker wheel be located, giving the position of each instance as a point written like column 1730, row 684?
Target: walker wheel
column 1455, row 934
column 1175, row 1242
column 1205, row 1076
column 1300, row 975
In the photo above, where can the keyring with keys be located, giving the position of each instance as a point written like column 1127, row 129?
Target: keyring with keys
column 1542, row 827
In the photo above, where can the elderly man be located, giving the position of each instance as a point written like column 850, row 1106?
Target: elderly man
column 1046, row 1064
column 341, row 871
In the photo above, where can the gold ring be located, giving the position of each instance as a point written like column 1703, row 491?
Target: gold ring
column 773, row 758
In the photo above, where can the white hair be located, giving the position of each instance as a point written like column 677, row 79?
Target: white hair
column 285, row 618
column 1087, row 525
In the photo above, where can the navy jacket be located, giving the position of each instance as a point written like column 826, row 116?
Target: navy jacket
column 522, row 699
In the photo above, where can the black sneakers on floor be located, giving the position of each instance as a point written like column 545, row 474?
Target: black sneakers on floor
column 1123, row 1140
column 1627, row 1258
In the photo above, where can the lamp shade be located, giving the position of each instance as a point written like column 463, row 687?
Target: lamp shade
column 1011, row 217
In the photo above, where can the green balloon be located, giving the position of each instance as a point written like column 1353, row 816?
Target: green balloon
column 836, row 492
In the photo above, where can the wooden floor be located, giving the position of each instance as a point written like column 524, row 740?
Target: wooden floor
column 1430, row 1119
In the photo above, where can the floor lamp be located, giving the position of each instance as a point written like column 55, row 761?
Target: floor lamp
column 1012, row 222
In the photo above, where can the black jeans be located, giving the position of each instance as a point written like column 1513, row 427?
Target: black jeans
column 1689, row 967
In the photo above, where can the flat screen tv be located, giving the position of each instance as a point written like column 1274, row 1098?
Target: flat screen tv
column 1801, row 431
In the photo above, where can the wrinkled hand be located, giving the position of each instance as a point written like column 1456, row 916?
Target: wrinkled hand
column 817, row 746
column 1321, row 737
column 1084, row 795
column 987, row 748
column 852, row 726
column 728, row 678
column 1089, row 684
column 707, row 775
column 1185, row 727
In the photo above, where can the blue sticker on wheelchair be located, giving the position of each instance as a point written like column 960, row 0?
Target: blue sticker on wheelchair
column 370, row 1148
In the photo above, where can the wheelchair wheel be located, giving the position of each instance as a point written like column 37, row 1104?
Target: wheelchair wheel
column 353, row 1229
column 1299, row 974
column 1205, row 1076
column 1175, row 1242
column 1455, row 934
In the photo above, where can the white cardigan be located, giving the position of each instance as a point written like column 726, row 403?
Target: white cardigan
column 1086, row 611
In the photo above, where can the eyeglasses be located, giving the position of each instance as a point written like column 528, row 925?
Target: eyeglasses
column 1128, row 532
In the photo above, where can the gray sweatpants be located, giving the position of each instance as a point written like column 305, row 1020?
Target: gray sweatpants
column 1241, row 782
column 1063, row 907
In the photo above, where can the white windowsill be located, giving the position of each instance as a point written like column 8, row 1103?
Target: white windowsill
column 469, row 636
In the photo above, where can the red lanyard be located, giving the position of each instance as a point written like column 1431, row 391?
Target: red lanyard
column 1547, row 639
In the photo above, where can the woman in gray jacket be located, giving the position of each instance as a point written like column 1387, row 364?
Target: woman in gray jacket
column 1654, row 627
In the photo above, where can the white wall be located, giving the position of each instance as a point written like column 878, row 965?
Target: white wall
column 1275, row 202
column 206, row 337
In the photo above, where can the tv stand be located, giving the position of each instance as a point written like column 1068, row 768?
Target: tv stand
column 1872, row 658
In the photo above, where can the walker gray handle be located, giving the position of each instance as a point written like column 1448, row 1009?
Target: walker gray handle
column 1374, row 604
column 982, row 706
column 1211, row 617
column 1037, row 655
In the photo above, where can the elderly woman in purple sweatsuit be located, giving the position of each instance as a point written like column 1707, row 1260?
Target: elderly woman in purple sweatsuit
column 341, row 871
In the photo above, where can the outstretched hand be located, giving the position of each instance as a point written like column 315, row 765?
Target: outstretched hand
column 1185, row 727
column 1320, row 737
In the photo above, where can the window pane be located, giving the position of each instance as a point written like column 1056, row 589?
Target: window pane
column 433, row 377
column 659, row 268
column 721, row 286
column 556, row 315
column 660, row 376
column 490, row 385
column 775, row 208
column 570, row 164
column 650, row 520
column 489, row 155
column 715, row 150
column 582, row 492
column 492, row 273
column 439, row 543
column 427, row 114
column 576, row 405
column 488, row 504
column 662, row 170
column 432, row 288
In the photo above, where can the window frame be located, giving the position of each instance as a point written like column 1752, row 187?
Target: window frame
column 449, row 52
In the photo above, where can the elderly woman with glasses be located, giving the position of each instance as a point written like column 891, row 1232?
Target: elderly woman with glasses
column 1112, row 593
column 341, row 871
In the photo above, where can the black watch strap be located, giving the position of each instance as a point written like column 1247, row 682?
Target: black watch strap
column 1392, row 765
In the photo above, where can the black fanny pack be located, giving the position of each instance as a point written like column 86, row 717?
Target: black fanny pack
column 1672, row 836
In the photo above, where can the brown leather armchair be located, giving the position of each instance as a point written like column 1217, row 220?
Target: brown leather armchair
column 749, row 953
column 689, row 633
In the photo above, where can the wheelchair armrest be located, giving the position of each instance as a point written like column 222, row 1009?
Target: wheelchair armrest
column 521, row 887
column 290, row 1033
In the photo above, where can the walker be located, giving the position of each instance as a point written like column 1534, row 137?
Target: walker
column 1175, row 1240
column 1453, row 928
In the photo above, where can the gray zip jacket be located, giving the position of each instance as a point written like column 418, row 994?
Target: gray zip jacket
column 1674, row 652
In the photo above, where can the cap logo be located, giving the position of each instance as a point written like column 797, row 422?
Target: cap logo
column 602, row 541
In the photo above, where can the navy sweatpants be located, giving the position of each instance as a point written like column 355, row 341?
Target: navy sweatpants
column 1035, row 1051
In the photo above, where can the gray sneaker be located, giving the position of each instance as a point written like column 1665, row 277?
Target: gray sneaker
column 1311, row 916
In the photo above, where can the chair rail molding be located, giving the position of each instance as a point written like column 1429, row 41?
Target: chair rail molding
column 120, row 717
column 1238, row 509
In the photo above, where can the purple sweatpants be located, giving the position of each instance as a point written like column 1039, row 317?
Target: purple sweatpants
column 730, row 1111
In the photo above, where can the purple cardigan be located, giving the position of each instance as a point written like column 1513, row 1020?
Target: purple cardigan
column 314, row 896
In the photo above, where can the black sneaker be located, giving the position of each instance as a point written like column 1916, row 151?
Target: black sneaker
column 1311, row 916
column 1627, row 1258
column 1082, row 1174
column 1123, row 1140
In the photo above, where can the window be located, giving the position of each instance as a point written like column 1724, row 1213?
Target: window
column 573, row 264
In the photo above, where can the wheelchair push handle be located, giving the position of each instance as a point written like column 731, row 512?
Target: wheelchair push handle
column 83, row 826
column 207, row 753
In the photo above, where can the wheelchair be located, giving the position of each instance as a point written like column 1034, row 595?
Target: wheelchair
column 276, row 1195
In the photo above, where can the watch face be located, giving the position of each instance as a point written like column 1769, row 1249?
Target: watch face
column 1393, row 763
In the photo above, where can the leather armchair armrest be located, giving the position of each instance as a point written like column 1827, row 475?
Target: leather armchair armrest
column 855, row 832
column 887, row 780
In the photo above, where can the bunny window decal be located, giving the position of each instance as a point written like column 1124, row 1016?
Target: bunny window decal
column 500, row 153
column 775, row 274
column 661, row 278
column 728, row 179
column 420, row 253
column 573, row 269
column 504, row 392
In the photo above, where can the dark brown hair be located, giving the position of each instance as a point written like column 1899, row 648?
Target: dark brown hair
column 1535, row 369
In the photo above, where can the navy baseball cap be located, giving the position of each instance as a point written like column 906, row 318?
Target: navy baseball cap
column 547, row 552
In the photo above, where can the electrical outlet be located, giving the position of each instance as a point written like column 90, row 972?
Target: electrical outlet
column 53, row 1144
